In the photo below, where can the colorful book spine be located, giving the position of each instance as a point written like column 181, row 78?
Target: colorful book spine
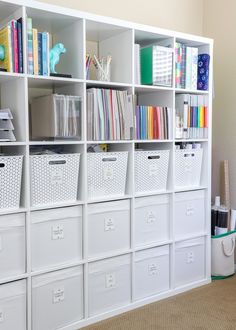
column 30, row 46
column 20, row 45
column 5, row 40
column 40, row 69
column 194, row 68
column 35, row 51
column 183, row 66
column 15, row 46
column 178, row 61
column 188, row 80
column 45, row 54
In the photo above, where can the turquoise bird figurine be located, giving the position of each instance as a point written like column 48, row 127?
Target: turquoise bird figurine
column 55, row 54
column 2, row 53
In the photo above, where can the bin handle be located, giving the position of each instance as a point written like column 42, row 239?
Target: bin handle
column 154, row 157
column 228, row 254
column 57, row 162
column 109, row 159
column 2, row 165
column 189, row 154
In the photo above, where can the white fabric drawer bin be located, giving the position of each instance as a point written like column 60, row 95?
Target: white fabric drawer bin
column 189, row 261
column 152, row 219
column 54, row 178
column 57, row 299
column 60, row 230
column 13, row 306
column 109, row 284
column 189, row 213
column 108, row 227
column 107, row 174
column 152, row 271
column 12, row 245
column 151, row 170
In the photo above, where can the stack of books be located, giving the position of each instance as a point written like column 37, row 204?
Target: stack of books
column 110, row 114
column 38, row 50
column 11, row 39
column 191, row 116
column 153, row 122
column 6, row 126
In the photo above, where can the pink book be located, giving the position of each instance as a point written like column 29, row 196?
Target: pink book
column 158, row 123
column 15, row 45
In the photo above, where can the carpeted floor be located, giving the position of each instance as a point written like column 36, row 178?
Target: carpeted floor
column 211, row 307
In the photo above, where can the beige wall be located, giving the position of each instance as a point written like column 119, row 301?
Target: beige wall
column 220, row 24
column 179, row 15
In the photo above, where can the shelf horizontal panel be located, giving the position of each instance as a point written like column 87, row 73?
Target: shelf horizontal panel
column 110, row 142
column 107, row 84
column 149, row 246
column 190, row 91
column 153, row 141
column 13, row 278
column 190, row 188
column 185, row 238
column 58, row 267
column 153, row 193
column 107, row 199
column 7, row 76
column 9, row 144
column 48, row 81
column 59, row 142
column 46, row 207
column 191, row 140
column 151, row 88
column 110, row 255
column 12, row 211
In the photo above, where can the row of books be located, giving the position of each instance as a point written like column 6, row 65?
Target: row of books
column 153, row 122
column 110, row 114
column 38, row 50
column 191, row 116
column 11, row 40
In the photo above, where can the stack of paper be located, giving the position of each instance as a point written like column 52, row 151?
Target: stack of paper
column 6, row 126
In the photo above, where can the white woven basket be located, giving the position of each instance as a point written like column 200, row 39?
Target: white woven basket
column 151, row 170
column 188, row 165
column 54, row 178
column 107, row 174
column 10, row 181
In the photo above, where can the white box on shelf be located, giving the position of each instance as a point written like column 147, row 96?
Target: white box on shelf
column 151, row 170
column 54, row 178
column 189, row 213
column 108, row 227
column 152, row 219
column 109, row 284
column 60, row 294
column 12, row 245
column 60, row 230
column 107, row 172
column 152, row 271
column 188, row 165
column 10, row 181
column 13, row 305
column 189, row 261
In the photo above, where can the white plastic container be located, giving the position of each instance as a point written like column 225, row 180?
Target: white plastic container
column 109, row 284
column 189, row 213
column 12, row 245
column 54, row 178
column 107, row 173
column 10, row 181
column 57, row 299
column 189, row 261
column 152, row 271
column 108, row 227
column 13, row 306
column 151, row 170
column 188, row 166
column 60, row 230
column 152, row 219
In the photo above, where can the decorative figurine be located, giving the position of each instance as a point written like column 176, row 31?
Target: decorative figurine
column 2, row 53
column 55, row 53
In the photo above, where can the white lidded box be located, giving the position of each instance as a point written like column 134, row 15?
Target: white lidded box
column 57, row 299
column 189, row 213
column 151, row 170
column 13, row 306
column 60, row 230
column 10, row 181
column 12, row 245
column 109, row 284
column 189, row 261
column 54, row 178
column 152, row 271
column 107, row 173
column 108, row 227
column 152, row 219
column 188, row 166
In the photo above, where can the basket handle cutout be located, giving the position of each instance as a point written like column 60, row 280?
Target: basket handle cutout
column 110, row 159
column 2, row 165
column 154, row 157
column 189, row 155
column 57, row 162
column 228, row 254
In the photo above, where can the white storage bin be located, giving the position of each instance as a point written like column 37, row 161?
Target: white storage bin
column 189, row 261
column 13, row 306
column 152, row 271
column 152, row 219
column 188, row 165
column 151, row 170
column 54, row 178
column 107, row 174
column 109, row 284
column 60, row 230
column 108, row 227
column 12, row 245
column 189, row 213
column 57, row 299
column 10, row 181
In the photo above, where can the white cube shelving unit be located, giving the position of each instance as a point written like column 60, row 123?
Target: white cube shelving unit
column 137, row 255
